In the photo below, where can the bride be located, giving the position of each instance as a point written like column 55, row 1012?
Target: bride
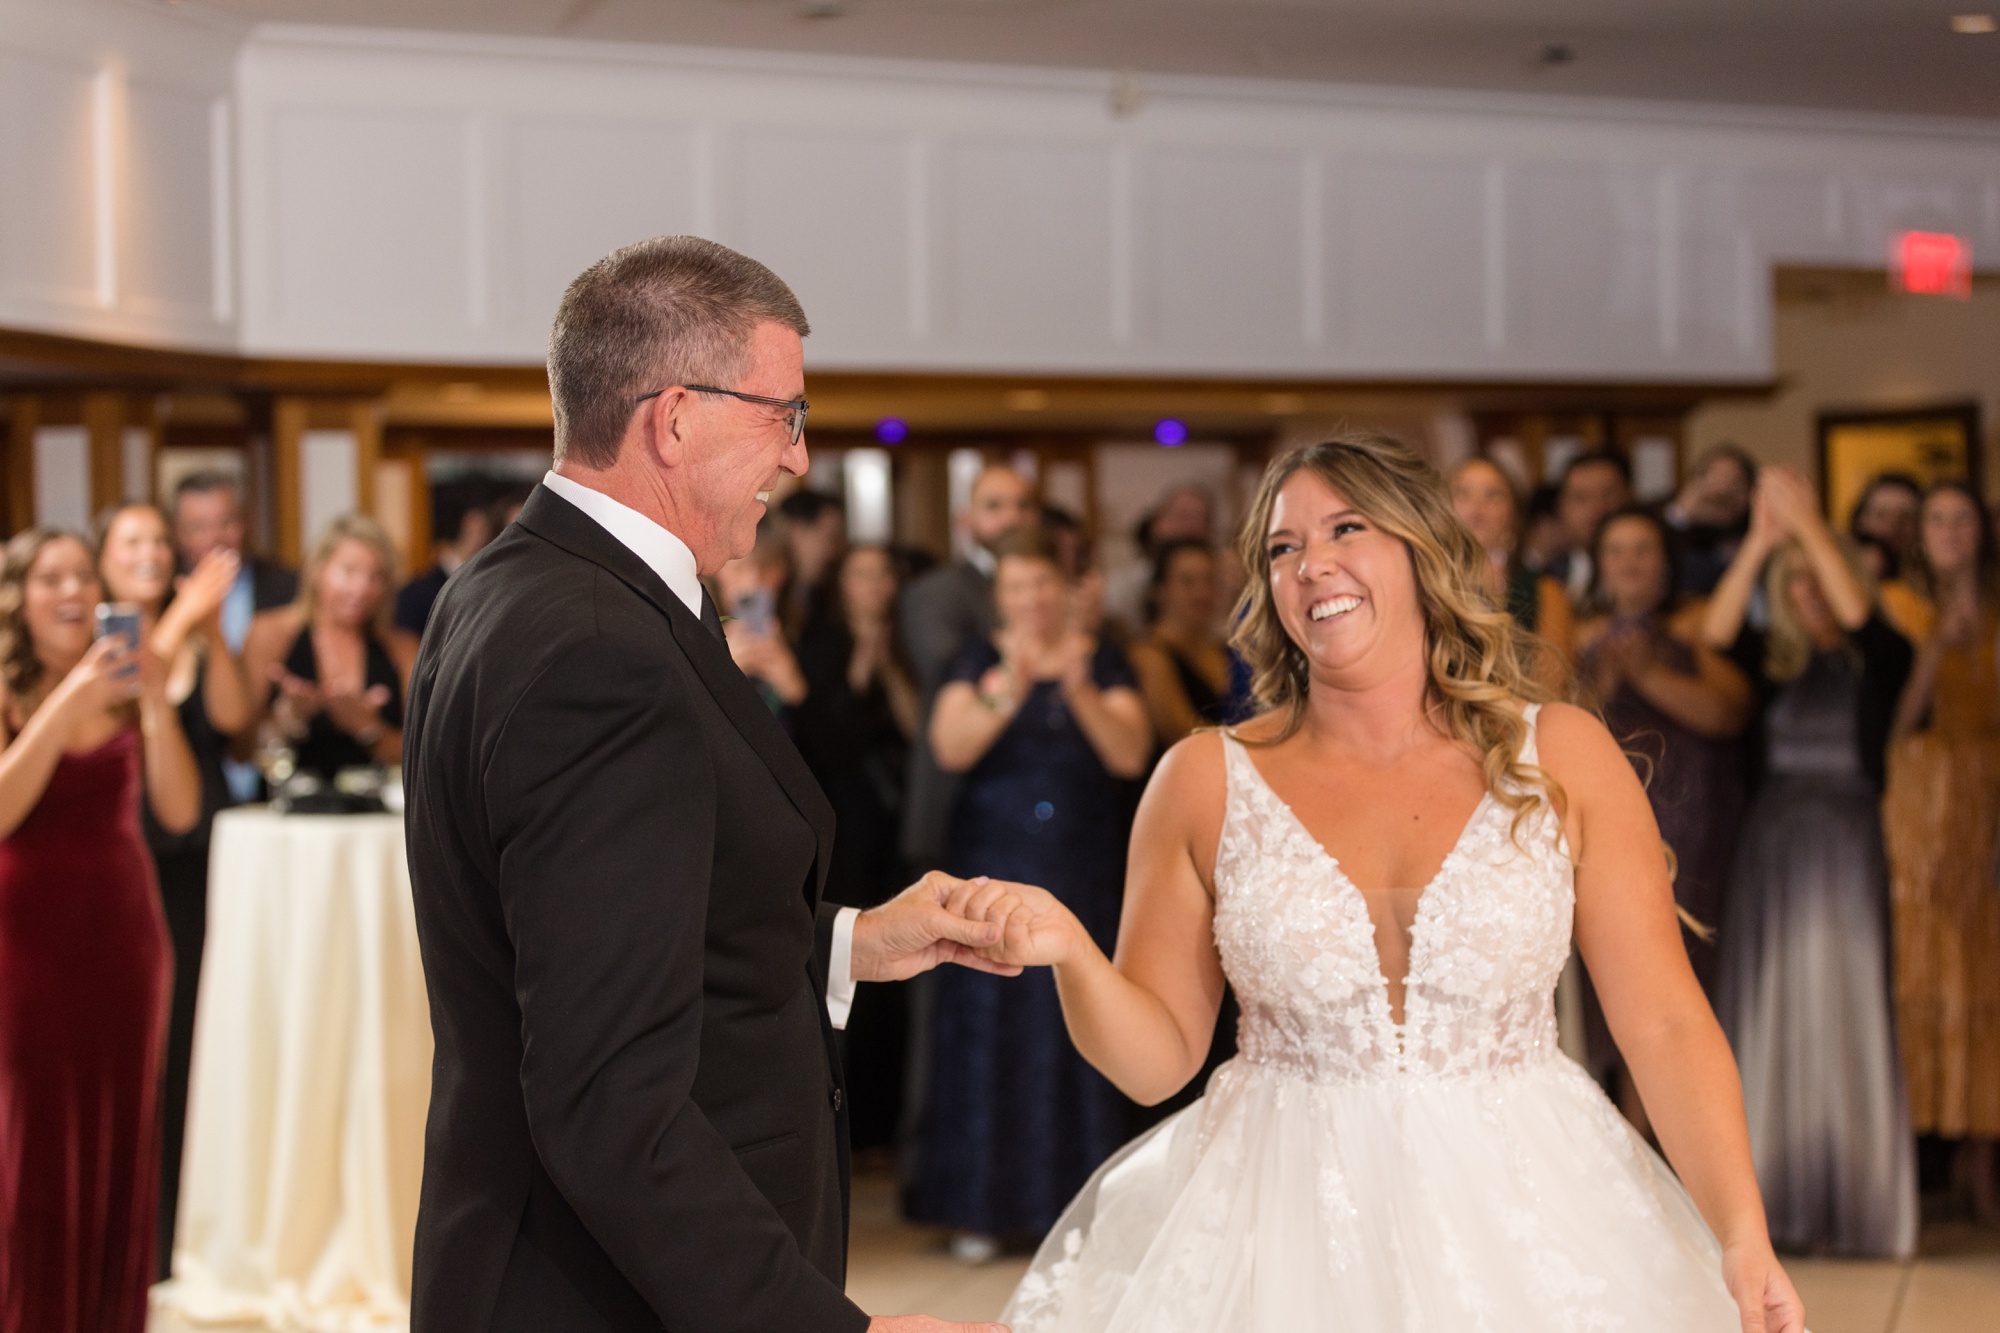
column 1386, row 864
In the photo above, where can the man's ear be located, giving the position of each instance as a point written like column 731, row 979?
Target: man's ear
column 664, row 428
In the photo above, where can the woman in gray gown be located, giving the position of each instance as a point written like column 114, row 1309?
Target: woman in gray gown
column 1805, row 991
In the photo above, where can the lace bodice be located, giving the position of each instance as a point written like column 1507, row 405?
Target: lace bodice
column 1491, row 935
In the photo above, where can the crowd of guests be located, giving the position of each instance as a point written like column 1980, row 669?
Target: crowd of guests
column 118, row 752
column 1816, row 716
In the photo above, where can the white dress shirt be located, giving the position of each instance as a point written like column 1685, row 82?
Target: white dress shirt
column 669, row 557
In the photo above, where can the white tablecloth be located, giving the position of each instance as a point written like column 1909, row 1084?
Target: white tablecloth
column 312, row 1058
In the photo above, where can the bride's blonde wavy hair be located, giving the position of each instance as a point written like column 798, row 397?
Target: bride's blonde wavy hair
column 1477, row 653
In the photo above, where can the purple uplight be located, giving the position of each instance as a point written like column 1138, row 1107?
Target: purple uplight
column 1170, row 432
column 892, row 430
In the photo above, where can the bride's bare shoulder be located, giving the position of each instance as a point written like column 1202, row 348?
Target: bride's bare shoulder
column 1576, row 747
column 1190, row 780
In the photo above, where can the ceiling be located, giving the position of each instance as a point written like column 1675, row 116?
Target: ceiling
column 1872, row 55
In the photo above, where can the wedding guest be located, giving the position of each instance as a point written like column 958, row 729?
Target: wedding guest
column 85, row 965
column 1046, row 726
column 1593, row 487
column 181, row 624
column 749, row 593
column 1939, row 816
column 854, row 728
column 1805, row 992
column 1886, row 514
column 1677, row 707
column 941, row 612
column 1183, row 512
column 1182, row 663
column 208, row 514
column 815, row 529
column 1708, row 515
column 1485, row 501
column 470, row 533
column 325, row 667
column 1086, row 580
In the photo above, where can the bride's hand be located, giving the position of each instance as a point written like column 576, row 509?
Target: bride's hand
column 1037, row 930
column 1765, row 1298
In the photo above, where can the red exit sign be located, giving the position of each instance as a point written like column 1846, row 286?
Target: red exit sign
column 1933, row 263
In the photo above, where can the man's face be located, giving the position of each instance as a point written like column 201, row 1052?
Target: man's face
column 1589, row 493
column 1184, row 517
column 1720, row 496
column 736, row 451
column 1001, row 501
column 206, row 521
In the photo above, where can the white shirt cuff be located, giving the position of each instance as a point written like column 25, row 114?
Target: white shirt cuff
column 840, row 981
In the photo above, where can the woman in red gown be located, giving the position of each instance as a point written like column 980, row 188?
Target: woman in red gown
column 85, row 967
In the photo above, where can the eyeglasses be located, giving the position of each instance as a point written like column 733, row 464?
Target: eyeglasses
column 795, row 408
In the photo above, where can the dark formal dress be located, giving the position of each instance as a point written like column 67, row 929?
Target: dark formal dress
column 1806, row 995
column 182, row 862
column 1016, row 1120
column 326, row 748
column 860, row 757
column 637, row 1121
column 84, row 973
column 1695, row 785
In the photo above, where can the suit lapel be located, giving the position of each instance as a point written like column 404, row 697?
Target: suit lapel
column 555, row 519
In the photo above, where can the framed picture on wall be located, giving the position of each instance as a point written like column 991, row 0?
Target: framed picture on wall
column 1930, row 444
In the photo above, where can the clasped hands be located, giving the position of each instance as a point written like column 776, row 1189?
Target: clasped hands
column 989, row 925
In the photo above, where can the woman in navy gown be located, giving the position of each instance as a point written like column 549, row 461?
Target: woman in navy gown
column 1047, row 727
column 1806, row 996
column 85, row 966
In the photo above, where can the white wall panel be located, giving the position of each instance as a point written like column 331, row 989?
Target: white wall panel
column 1584, row 254
column 831, row 212
column 47, row 194
column 1026, row 253
column 166, row 250
column 371, row 225
column 1221, row 245
column 62, row 477
column 1413, row 269
column 329, row 480
column 572, row 190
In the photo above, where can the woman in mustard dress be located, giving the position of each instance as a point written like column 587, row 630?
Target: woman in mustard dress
column 1940, row 813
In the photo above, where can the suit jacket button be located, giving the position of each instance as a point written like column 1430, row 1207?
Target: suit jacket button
column 836, row 1099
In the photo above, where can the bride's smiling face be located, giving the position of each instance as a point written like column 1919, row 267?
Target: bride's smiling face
column 1343, row 588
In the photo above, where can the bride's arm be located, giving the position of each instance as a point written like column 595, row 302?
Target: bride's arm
column 1145, row 1018
column 1629, row 934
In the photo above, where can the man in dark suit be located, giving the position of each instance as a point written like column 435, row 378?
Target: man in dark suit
column 636, row 1115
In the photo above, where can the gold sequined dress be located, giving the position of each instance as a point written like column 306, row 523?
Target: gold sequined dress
column 1940, row 815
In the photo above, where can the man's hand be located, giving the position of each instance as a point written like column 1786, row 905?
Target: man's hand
column 917, row 929
column 923, row 1323
column 1038, row 930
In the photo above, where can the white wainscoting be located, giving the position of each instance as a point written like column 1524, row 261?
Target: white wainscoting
column 115, row 199
column 429, row 197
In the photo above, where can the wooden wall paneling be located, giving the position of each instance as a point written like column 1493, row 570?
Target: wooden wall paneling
column 104, row 418
column 289, row 419
column 364, row 418
column 20, row 472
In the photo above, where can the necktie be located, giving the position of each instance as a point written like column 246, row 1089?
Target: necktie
column 710, row 617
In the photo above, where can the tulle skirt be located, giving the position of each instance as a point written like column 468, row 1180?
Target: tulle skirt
column 1516, row 1203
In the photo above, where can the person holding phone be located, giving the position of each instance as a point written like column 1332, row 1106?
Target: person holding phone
column 749, row 597
column 85, row 966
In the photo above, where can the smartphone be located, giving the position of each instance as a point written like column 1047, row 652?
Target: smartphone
column 758, row 610
column 120, row 619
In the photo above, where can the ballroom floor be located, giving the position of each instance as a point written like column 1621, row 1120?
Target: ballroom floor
column 896, row 1268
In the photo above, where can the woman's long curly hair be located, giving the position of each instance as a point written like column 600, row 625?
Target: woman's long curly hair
column 1476, row 651
column 20, row 668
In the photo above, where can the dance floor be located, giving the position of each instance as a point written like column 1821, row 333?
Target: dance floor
column 896, row 1268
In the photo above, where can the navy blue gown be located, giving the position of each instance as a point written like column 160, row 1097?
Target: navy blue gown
column 1016, row 1120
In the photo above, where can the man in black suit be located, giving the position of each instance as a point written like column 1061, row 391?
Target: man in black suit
column 636, row 1115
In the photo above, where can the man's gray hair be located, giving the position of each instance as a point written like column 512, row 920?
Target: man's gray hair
column 672, row 310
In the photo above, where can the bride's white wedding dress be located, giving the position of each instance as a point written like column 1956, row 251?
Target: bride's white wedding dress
column 1454, row 1171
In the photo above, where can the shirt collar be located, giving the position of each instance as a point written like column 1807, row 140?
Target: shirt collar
column 980, row 559
column 664, row 554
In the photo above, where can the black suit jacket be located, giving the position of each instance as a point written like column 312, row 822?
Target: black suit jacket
column 636, row 1115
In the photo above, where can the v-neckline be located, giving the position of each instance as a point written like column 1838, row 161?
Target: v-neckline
column 1357, row 897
